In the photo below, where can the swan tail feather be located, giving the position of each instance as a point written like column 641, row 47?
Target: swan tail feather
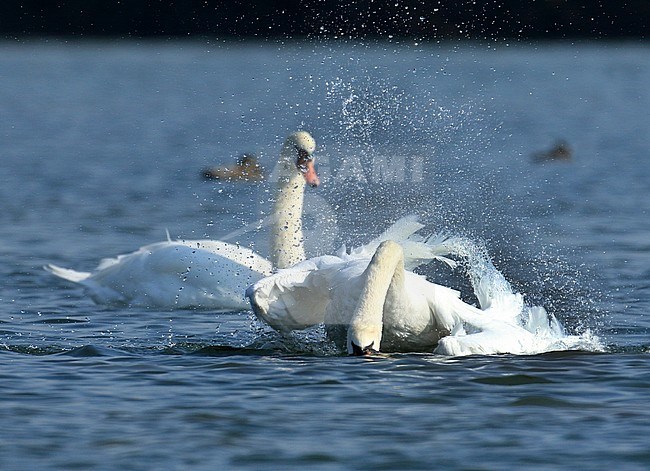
column 419, row 250
column 399, row 231
column 67, row 273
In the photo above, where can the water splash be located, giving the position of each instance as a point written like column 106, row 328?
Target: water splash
column 383, row 130
column 311, row 341
column 509, row 324
column 374, row 118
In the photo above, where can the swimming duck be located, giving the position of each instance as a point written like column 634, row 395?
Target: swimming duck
column 560, row 151
column 247, row 168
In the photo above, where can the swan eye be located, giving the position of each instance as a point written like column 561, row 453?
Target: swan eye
column 303, row 154
column 303, row 158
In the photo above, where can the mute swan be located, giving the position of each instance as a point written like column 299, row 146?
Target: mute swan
column 327, row 289
column 375, row 304
column 208, row 273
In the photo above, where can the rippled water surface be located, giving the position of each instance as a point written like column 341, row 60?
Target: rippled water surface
column 101, row 147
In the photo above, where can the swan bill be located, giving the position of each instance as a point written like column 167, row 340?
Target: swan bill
column 357, row 351
column 309, row 172
column 305, row 164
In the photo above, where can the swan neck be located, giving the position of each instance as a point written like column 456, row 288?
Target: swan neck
column 287, row 246
column 384, row 273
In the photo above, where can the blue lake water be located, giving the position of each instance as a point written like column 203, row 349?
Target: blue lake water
column 101, row 148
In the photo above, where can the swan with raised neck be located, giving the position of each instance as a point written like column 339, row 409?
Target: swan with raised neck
column 208, row 273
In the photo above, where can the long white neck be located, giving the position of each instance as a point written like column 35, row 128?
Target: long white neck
column 287, row 246
column 383, row 277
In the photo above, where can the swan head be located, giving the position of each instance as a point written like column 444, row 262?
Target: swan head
column 298, row 154
column 364, row 339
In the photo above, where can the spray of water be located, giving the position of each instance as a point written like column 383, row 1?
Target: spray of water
column 392, row 154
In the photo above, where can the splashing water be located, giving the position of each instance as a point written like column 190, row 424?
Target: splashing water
column 375, row 119
column 380, row 134
column 508, row 324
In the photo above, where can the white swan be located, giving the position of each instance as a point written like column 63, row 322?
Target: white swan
column 328, row 288
column 208, row 273
column 375, row 304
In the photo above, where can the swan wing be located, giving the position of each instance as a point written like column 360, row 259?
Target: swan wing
column 297, row 298
column 327, row 288
column 399, row 231
column 418, row 249
column 495, row 330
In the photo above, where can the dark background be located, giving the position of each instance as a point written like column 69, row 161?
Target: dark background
column 425, row 19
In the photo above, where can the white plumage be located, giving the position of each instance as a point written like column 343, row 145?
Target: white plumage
column 203, row 273
column 327, row 290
